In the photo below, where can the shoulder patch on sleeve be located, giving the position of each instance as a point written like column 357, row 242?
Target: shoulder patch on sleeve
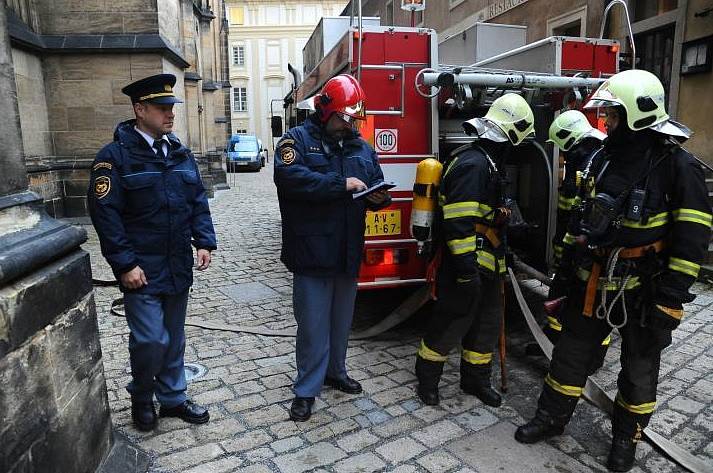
column 102, row 186
column 102, row 165
column 287, row 154
column 285, row 142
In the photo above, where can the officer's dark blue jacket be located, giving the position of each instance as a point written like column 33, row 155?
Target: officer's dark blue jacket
column 322, row 226
column 148, row 211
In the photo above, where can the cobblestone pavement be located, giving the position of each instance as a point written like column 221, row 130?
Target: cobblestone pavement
column 247, row 386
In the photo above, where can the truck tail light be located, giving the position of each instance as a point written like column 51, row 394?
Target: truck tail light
column 385, row 256
column 614, row 48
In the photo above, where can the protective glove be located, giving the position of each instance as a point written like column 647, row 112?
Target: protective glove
column 662, row 317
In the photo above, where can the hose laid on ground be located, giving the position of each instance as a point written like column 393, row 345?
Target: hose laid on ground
column 407, row 308
column 596, row 395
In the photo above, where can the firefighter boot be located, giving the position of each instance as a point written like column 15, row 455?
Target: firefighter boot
column 475, row 380
column 621, row 455
column 541, row 427
column 428, row 374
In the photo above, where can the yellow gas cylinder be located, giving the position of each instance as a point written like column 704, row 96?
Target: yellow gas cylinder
column 425, row 191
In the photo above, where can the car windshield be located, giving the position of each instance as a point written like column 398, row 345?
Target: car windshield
column 245, row 146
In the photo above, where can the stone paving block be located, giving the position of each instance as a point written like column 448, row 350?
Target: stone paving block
column 246, row 441
column 438, row 433
column 393, row 396
column 216, row 395
column 364, row 463
column 438, row 462
column 180, row 461
column 476, row 419
column 685, row 405
column 377, row 417
column 331, row 430
column 400, row 450
column 317, row 455
column 265, row 416
column 376, row 384
column 397, row 426
column 259, row 455
column 495, row 449
column 244, row 403
column 224, row 465
column 217, row 430
column 287, row 444
column 170, row 441
column 357, row 441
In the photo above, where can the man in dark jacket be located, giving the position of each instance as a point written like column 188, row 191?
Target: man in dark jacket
column 641, row 240
column 318, row 166
column 148, row 205
column 474, row 216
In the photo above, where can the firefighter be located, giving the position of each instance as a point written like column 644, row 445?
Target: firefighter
column 473, row 215
column 581, row 145
column 642, row 238
column 318, row 166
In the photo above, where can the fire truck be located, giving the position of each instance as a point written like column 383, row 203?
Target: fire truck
column 415, row 107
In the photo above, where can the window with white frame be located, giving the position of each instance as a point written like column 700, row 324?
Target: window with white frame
column 240, row 99
column 239, row 55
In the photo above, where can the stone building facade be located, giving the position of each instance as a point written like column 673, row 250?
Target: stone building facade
column 266, row 36
column 666, row 32
column 71, row 60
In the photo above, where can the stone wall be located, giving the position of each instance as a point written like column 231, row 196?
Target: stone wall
column 53, row 400
column 34, row 120
column 98, row 16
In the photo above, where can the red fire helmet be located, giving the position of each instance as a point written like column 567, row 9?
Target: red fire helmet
column 341, row 94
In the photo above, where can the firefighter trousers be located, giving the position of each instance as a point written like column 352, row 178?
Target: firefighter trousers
column 467, row 316
column 578, row 345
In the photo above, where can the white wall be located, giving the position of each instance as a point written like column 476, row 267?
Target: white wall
column 274, row 35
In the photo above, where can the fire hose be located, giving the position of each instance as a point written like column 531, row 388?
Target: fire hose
column 599, row 398
column 407, row 308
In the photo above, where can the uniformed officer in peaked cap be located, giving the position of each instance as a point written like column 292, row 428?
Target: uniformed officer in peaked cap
column 149, row 206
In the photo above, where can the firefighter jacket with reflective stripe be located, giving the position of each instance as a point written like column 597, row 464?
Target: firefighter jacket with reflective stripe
column 676, row 210
column 149, row 210
column 470, row 194
column 577, row 161
column 322, row 226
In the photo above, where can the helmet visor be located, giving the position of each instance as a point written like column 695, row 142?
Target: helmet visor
column 356, row 111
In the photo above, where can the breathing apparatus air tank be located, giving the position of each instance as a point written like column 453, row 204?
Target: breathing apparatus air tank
column 425, row 191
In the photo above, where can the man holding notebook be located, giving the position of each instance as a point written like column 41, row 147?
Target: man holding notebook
column 319, row 166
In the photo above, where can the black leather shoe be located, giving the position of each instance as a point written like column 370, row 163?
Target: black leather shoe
column 540, row 428
column 621, row 455
column 429, row 397
column 347, row 385
column 144, row 415
column 188, row 411
column 301, row 409
column 484, row 392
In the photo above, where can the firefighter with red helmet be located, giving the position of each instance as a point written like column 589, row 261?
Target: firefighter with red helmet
column 318, row 166
column 643, row 234
column 473, row 216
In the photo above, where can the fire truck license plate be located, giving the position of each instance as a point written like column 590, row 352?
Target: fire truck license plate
column 387, row 222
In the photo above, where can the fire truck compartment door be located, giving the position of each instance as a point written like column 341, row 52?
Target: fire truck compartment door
column 387, row 86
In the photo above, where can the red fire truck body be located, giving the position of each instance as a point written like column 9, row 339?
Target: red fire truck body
column 405, row 127
column 401, row 126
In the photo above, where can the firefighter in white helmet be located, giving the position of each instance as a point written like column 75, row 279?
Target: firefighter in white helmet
column 644, row 233
column 473, row 213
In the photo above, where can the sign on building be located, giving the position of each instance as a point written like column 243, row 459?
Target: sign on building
column 497, row 9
